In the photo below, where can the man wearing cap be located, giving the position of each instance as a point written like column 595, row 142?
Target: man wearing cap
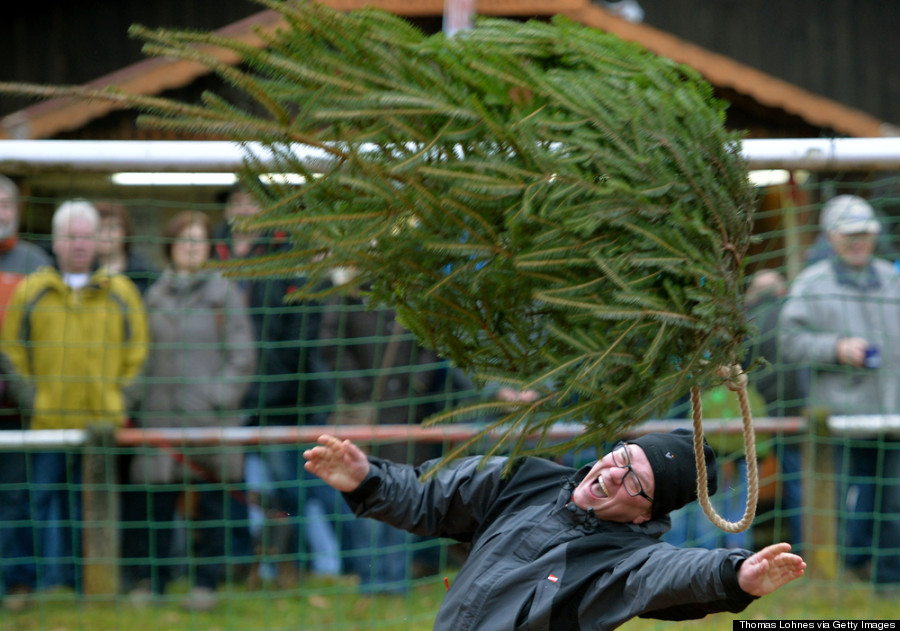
column 842, row 319
column 554, row 548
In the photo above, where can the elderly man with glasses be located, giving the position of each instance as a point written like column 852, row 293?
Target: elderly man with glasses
column 554, row 548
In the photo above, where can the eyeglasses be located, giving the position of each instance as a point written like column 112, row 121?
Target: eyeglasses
column 858, row 237
column 631, row 481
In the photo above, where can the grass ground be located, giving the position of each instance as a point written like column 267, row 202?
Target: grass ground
column 335, row 606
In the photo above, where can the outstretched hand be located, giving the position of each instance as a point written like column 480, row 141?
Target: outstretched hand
column 769, row 569
column 341, row 464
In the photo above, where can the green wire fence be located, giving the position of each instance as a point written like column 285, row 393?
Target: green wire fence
column 310, row 564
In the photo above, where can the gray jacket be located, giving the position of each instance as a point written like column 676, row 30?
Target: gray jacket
column 201, row 360
column 828, row 302
column 17, row 259
column 538, row 562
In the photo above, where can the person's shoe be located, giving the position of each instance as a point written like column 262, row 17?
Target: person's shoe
column 288, row 576
column 141, row 596
column 862, row 573
column 17, row 599
column 199, row 599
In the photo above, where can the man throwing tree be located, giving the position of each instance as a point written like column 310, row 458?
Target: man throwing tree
column 557, row 549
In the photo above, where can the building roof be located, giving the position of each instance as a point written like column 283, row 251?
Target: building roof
column 52, row 117
column 726, row 73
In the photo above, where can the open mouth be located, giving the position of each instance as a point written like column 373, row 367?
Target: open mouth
column 598, row 489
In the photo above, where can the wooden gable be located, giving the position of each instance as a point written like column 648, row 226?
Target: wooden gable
column 762, row 105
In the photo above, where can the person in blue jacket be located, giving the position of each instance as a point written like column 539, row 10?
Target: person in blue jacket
column 554, row 548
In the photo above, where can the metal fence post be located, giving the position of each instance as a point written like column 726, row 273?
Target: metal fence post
column 100, row 502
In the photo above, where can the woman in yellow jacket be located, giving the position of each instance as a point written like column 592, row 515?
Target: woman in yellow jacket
column 72, row 341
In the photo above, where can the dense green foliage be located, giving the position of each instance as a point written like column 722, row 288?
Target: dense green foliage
column 548, row 206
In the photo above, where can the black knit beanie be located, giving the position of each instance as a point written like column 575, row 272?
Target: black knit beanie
column 671, row 457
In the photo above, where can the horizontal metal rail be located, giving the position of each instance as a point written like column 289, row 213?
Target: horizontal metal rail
column 107, row 156
column 865, row 425
column 363, row 434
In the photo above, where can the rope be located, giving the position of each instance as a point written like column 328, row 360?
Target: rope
column 736, row 380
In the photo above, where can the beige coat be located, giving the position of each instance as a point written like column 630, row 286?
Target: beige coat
column 201, row 362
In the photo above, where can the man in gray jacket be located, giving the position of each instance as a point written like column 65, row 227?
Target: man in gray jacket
column 842, row 318
column 555, row 548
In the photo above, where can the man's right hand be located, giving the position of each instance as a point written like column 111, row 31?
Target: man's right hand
column 852, row 351
column 341, row 464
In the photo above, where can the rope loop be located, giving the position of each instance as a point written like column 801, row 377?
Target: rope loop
column 736, row 381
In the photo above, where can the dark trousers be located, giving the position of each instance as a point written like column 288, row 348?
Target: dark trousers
column 869, row 507
column 154, row 529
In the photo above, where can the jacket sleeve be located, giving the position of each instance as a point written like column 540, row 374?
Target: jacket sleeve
column 670, row 583
column 239, row 352
column 452, row 502
column 288, row 332
column 341, row 353
column 14, row 364
column 802, row 338
column 136, row 343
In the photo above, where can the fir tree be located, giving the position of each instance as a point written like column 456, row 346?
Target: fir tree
column 548, row 206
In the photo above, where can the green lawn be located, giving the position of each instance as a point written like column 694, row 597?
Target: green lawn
column 337, row 607
column 804, row 600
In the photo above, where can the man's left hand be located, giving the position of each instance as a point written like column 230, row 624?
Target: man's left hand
column 769, row 569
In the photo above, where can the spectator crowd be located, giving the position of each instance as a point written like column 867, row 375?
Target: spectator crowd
column 93, row 332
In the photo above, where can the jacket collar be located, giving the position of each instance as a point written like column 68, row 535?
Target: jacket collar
column 174, row 281
column 99, row 279
column 865, row 279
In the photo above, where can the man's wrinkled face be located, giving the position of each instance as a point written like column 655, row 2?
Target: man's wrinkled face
column 855, row 249
column 75, row 246
column 603, row 489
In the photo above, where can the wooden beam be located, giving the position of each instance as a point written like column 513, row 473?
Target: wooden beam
column 153, row 76
column 430, row 8
column 148, row 77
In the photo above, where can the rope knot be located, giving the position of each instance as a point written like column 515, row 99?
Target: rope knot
column 734, row 376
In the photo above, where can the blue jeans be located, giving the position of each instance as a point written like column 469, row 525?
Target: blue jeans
column 855, row 467
column 40, row 519
column 789, row 455
column 153, row 540
column 887, row 564
column 691, row 527
column 869, row 508
column 17, row 568
column 385, row 560
column 312, row 504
